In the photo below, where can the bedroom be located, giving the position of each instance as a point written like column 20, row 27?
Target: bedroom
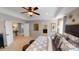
column 47, row 22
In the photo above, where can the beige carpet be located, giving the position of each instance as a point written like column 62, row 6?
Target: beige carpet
column 17, row 44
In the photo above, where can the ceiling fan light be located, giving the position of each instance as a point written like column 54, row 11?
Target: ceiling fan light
column 30, row 13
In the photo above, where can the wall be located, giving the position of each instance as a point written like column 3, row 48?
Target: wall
column 41, row 26
column 75, row 15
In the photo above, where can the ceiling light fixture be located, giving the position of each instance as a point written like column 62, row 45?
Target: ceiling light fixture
column 30, row 13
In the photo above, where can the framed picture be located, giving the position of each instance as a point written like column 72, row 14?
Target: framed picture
column 53, row 27
column 36, row 27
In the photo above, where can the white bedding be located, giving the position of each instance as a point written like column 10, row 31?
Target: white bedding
column 40, row 44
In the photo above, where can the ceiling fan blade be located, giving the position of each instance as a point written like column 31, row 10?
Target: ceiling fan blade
column 36, row 13
column 23, row 12
column 36, row 8
column 24, row 8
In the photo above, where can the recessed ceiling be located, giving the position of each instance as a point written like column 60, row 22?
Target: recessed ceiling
column 46, row 13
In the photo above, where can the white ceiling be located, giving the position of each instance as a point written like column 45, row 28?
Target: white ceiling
column 46, row 13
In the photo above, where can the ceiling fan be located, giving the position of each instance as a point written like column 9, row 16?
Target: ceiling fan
column 30, row 10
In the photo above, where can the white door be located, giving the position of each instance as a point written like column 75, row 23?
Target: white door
column 9, row 32
column 26, row 29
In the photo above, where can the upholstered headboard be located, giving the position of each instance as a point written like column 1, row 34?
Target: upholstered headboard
column 72, row 29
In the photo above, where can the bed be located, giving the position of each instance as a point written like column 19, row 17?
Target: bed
column 40, row 44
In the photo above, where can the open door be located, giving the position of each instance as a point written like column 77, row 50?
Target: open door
column 9, row 32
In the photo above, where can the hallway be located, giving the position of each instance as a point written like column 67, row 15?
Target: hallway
column 18, row 43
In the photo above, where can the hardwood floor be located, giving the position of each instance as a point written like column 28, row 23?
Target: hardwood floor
column 17, row 44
